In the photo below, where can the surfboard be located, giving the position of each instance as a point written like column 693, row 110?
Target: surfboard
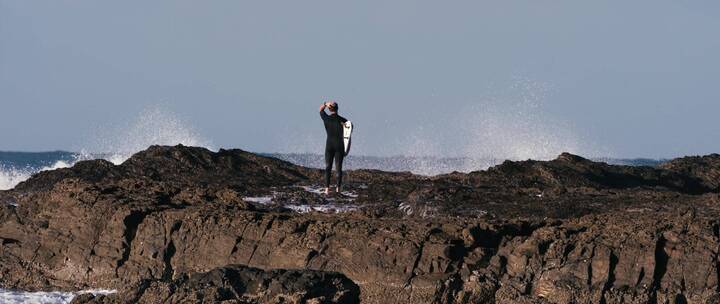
column 347, row 136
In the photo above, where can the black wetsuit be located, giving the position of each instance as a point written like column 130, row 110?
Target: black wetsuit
column 334, row 146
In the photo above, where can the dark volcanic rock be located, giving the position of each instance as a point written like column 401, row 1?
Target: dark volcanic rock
column 570, row 171
column 240, row 284
column 179, row 166
column 704, row 168
column 564, row 231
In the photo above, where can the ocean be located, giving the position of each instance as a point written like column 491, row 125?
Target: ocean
column 44, row 297
column 16, row 167
column 156, row 126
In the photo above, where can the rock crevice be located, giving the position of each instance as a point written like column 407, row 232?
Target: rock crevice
column 171, row 219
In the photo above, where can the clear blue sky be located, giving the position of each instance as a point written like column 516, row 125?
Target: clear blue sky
column 634, row 78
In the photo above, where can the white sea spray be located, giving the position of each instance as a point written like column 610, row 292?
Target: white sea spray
column 9, row 296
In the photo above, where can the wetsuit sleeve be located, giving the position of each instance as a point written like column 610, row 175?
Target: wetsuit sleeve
column 342, row 119
column 324, row 115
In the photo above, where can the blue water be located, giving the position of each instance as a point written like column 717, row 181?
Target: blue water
column 34, row 159
column 16, row 167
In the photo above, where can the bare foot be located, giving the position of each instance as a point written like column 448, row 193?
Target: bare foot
column 338, row 189
column 327, row 190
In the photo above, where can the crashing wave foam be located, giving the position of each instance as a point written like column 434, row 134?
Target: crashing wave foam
column 506, row 123
column 154, row 126
column 10, row 177
column 511, row 126
column 45, row 297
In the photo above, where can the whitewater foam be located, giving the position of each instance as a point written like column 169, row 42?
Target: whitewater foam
column 329, row 208
column 262, row 200
column 10, row 177
column 45, row 297
column 512, row 124
column 153, row 126
column 507, row 122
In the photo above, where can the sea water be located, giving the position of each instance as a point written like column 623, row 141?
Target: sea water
column 153, row 126
column 16, row 167
column 8, row 296
column 527, row 137
column 517, row 132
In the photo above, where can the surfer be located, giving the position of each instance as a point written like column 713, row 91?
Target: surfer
column 334, row 147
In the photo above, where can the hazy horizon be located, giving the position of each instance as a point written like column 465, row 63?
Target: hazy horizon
column 310, row 153
column 510, row 79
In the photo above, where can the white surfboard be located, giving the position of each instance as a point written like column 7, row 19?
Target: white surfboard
column 347, row 136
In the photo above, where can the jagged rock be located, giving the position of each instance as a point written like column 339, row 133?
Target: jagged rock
column 179, row 166
column 240, row 284
column 704, row 168
column 574, row 172
column 563, row 231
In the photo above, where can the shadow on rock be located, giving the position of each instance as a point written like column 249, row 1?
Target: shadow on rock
column 240, row 284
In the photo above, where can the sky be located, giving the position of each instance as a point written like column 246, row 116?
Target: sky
column 473, row 78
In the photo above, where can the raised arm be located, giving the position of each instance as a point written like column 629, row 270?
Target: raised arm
column 323, row 115
column 323, row 106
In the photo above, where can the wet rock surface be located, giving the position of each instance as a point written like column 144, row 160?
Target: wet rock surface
column 563, row 231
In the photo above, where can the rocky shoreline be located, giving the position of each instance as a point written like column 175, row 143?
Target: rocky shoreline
column 176, row 224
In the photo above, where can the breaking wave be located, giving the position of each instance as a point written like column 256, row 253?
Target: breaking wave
column 10, row 177
column 511, row 126
column 153, row 126
column 45, row 297
column 513, row 122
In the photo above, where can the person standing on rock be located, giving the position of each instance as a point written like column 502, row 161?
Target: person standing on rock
column 334, row 147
